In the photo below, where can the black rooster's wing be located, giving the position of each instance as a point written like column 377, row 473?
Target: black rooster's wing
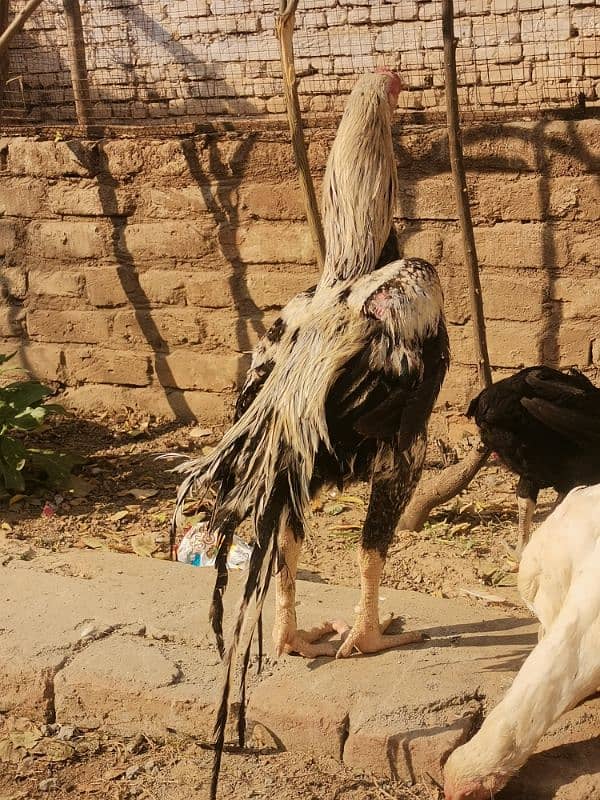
column 573, row 424
column 389, row 389
column 400, row 404
column 549, row 384
column 567, row 403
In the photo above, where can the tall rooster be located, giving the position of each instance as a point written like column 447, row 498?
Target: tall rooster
column 340, row 388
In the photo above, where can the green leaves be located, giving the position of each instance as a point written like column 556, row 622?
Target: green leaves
column 22, row 409
column 13, row 457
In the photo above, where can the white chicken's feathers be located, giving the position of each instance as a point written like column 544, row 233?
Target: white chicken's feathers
column 558, row 578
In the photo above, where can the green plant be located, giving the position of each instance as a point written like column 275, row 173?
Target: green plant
column 22, row 409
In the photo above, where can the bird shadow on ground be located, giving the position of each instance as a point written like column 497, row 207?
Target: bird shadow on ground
column 451, row 637
column 559, row 766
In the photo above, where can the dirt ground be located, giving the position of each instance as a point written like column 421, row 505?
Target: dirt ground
column 121, row 499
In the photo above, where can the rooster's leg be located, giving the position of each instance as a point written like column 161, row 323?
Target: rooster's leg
column 368, row 634
column 395, row 476
column 286, row 636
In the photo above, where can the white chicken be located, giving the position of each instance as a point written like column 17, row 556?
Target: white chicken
column 558, row 580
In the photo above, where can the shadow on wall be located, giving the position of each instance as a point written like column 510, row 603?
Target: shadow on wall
column 547, row 144
column 224, row 211
column 225, row 215
column 545, row 141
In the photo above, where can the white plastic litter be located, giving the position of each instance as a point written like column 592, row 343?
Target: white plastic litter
column 198, row 547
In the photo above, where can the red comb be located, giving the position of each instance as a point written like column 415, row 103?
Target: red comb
column 396, row 83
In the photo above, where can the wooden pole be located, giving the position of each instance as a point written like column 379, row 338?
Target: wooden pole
column 4, row 61
column 16, row 25
column 77, row 61
column 462, row 195
column 457, row 477
column 285, row 33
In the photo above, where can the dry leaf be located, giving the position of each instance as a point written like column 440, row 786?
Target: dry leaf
column 94, row 543
column 113, row 773
column 144, row 545
column 6, row 748
column 55, row 750
column 459, row 527
column 199, row 433
column 139, row 494
column 488, row 597
column 353, row 499
column 16, row 498
column 118, row 516
column 79, row 486
column 343, row 528
column 25, row 739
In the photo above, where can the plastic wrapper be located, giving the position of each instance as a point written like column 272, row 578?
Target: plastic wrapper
column 198, row 547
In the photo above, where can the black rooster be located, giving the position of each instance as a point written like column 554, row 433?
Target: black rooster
column 545, row 426
column 340, row 388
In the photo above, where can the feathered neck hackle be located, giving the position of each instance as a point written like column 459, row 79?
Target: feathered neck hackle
column 360, row 184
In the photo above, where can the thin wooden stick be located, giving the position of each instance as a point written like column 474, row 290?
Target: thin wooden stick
column 77, row 61
column 443, row 487
column 285, row 33
column 16, row 25
column 4, row 61
column 462, row 195
column 457, row 477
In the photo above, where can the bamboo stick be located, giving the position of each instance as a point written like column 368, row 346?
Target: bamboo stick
column 16, row 25
column 454, row 479
column 462, row 195
column 285, row 33
column 77, row 61
column 4, row 60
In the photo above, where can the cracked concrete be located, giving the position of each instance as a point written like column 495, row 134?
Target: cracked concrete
column 100, row 639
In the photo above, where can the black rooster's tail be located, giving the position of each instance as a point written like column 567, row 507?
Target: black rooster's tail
column 255, row 470
column 262, row 564
column 263, row 468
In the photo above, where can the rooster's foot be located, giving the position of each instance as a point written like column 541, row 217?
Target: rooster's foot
column 371, row 638
column 287, row 638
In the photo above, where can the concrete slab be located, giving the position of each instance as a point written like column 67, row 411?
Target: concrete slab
column 101, row 639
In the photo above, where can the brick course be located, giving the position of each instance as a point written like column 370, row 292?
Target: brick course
column 158, row 300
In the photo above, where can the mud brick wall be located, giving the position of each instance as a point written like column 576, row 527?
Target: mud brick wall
column 189, row 58
column 142, row 272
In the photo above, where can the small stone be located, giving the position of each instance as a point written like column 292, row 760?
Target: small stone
column 47, row 785
column 158, row 634
column 66, row 732
column 88, row 631
column 138, row 745
column 131, row 772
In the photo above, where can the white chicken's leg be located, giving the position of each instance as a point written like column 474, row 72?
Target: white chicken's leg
column 286, row 636
column 367, row 634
